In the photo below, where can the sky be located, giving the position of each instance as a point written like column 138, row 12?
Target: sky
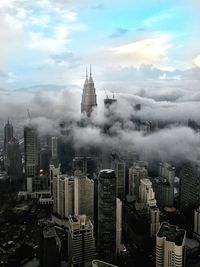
column 129, row 43
column 144, row 51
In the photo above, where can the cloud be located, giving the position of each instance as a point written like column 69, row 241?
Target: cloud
column 119, row 32
column 156, row 19
column 197, row 61
column 146, row 51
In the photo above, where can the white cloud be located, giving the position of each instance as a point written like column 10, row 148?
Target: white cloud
column 146, row 51
column 156, row 19
column 197, row 61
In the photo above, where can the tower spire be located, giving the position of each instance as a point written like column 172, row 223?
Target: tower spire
column 90, row 71
column 86, row 73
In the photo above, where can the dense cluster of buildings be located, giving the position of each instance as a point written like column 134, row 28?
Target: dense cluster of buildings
column 108, row 207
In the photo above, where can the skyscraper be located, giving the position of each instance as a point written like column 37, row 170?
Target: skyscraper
column 137, row 172
column 89, row 98
column 197, row 223
column 107, row 215
column 81, row 243
column 73, row 196
column 84, row 197
column 50, row 247
column 147, row 195
column 170, row 243
column 14, row 159
column 120, row 170
column 31, row 152
column 63, row 195
column 8, row 134
column 189, row 186
column 164, row 185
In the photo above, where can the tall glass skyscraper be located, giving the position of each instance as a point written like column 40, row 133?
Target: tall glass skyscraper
column 107, row 215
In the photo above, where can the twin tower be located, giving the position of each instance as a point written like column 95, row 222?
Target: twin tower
column 89, row 97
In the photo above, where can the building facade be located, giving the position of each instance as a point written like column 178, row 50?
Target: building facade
column 81, row 243
column 107, row 215
column 31, row 151
column 170, row 246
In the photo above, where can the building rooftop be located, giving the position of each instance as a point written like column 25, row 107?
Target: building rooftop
column 98, row 263
column 49, row 232
column 107, row 171
column 172, row 233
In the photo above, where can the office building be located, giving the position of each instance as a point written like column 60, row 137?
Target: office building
column 81, row 243
column 189, row 186
column 154, row 213
column 164, row 185
column 84, row 197
column 170, row 246
column 50, row 248
column 146, row 193
column 53, row 146
column 107, row 215
column 137, row 172
column 118, row 225
column 31, row 145
column 87, row 165
column 89, row 98
column 8, row 134
column 197, row 223
column 120, row 171
column 14, row 159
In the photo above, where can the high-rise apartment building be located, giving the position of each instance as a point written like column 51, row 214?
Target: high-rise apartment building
column 31, row 145
column 137, row 172
column 170, row 246
column 164, row 185
column 89, row 98
column 107, row 215
column 81, row 243
column 73, row 196
column 63, row 195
